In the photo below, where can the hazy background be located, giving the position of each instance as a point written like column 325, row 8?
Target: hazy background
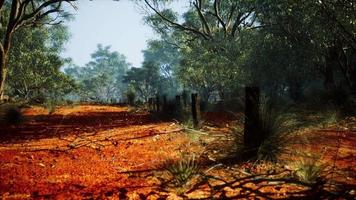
column 116, row 23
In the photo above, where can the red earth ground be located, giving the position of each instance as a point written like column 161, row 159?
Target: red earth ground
column 108, row 152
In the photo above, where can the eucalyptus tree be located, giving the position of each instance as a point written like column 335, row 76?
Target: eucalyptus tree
column 168, row 59
column 35, row 59
column 210, row 37
column 146, row 81
column 16, row 14
column 326, row 27
column 102, row 78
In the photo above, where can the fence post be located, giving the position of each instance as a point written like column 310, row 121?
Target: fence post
column 151, row 104
column 252, row 138
column 185, row 97
column 178, row 100
column 194, row 109
column 164, row 101
column 157, row 103
column 178, row 108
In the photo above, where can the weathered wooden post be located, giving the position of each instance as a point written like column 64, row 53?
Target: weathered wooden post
column 157, row 103
column 252, row 138
column 194, row 109
column 178, row 100
column 185, row 97
column 178, row 108
column 150, row 104
column 164, row 102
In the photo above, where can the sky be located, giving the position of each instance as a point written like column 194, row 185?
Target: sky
column 115, row 23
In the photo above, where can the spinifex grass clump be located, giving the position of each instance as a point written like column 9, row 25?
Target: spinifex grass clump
column 10, row 114
column 183, row 169
column 308, row 169
column 272, row 127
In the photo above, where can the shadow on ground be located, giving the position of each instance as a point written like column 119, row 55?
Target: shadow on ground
column 50, row 126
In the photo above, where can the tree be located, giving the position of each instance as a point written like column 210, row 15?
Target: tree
column 327, row 27
column 167, row 58
column 35, row 60
column 215, row 18
column 101, row 79
column 146, row 80
column 208, row 40
column 16, row 14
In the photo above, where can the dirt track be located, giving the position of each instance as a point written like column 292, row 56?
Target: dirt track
column 109, row 152
column 85, row 151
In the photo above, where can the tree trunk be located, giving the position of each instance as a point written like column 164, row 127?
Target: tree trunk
column 252, row 138
column 330, row 59
column 3, row 73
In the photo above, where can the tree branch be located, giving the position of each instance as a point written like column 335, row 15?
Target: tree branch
column 184, row 28
column 198, row 6
column 217, row 11
column 1, row 3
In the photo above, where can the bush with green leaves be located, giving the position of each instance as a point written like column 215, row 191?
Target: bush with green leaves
column 183, row 169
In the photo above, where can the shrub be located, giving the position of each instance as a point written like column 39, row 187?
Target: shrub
column 273, row 129
column 308, row 169
column 183, row 169
column 10, row 114
column 273, row 126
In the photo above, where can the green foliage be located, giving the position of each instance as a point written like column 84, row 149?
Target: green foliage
column 167, row 59
column 145, row 80
column 131, row 96
column 50, row 105
column 36, row 64
column 282, row 46
column 101, row 79
column 183, row 169
column 10, row 114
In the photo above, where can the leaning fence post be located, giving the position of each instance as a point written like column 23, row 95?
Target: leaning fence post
column 251, row 130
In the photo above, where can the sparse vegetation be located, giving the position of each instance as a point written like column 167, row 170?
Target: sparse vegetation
column 183, row 169
column 308, row 169
column 195, row 89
